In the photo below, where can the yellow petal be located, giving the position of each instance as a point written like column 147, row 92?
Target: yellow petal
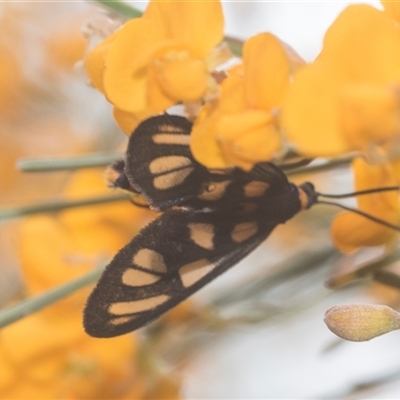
column 156, row 97
column 261, row 144
column 128, row 121
column 8, row 372
column 309, row 113
column 95, row 62
column 363, row 44
column 392, row 8
column 250, row 135
column 184, row 21
column 203, row 143
column 247, row 138
column 232, row 98
column 353, row 54
column 184, row 79
column 126, row 74
column 369, row 176
column 369, row 112
column 267, row 71
column 351, row 231
column 395, row 166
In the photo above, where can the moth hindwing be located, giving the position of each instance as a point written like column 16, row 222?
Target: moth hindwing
column 221, row 217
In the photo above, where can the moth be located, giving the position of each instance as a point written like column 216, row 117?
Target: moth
column 210, row 220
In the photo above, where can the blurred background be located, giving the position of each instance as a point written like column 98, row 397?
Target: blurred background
column 256, row 332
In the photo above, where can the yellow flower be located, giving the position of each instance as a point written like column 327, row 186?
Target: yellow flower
column 348, row 99
column 162, row 58
column 392, row 8
column 350, row 231
column 241, row 127
column 50, row 358
column 95, row 67
column 95, row 62
column 127, row 121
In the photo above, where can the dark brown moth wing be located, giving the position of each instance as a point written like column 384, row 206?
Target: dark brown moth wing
column 171, row 258
column 159, row 163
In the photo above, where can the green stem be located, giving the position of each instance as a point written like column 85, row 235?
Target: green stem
column 365, row 270
column 236, row 45
column 339, row 162
column 36, row 303
column 290, row 268
column 121, row 8
column 9, row 213
column 68, row 163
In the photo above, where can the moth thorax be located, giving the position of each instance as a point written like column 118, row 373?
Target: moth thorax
column 282, row 206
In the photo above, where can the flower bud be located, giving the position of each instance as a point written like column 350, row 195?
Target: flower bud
column 361, row 322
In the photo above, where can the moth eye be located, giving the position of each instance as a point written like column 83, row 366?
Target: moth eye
column 214, row 191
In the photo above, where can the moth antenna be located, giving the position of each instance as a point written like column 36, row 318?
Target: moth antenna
column 360, row 192
column 362, row 213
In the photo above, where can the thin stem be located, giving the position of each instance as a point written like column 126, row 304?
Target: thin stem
column 321, row 167
column 290, row 268
column 287, row 165
column 36, row 303
column 363, row 271
column 121, row 8
column 362, row 213
column 67, row 163
column 360, row 192
column 388, row 278
column 53, row 206
column 236, row 45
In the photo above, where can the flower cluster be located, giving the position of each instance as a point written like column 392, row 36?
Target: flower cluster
column 162, row 58
column 269, row 101
column 255, row 108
